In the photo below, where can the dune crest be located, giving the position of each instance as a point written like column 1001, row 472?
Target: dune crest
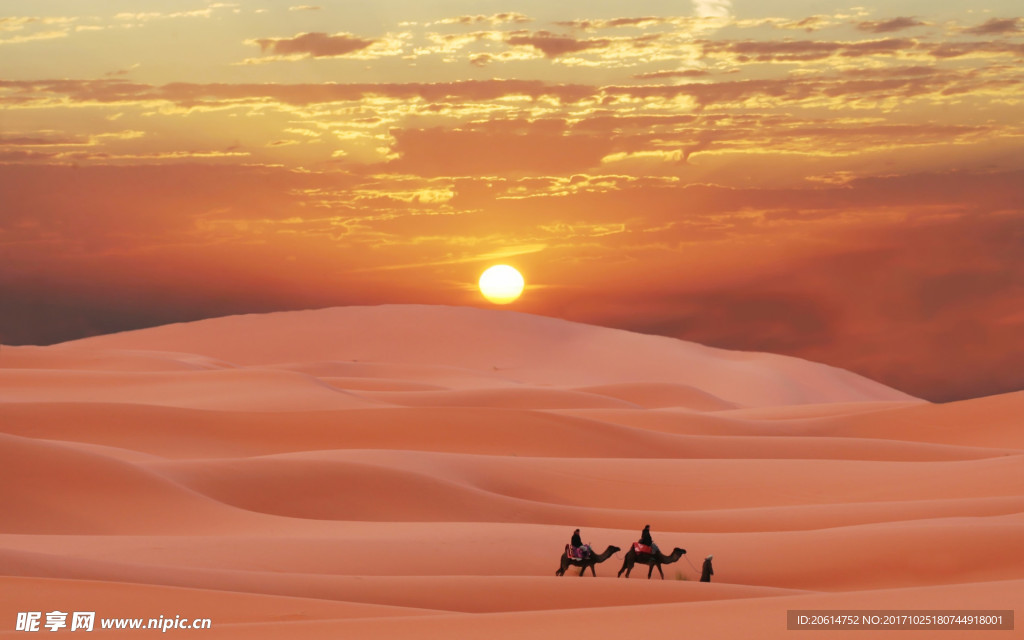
column 514, row 346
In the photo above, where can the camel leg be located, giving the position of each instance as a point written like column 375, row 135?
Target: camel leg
column 660, row 571
column 592, row 572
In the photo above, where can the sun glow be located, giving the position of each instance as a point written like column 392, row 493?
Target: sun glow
column 501, row 284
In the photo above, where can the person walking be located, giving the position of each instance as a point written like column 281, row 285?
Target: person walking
column 706, row 571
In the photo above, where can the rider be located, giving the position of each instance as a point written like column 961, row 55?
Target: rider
column 645, row 539
column 576, row 544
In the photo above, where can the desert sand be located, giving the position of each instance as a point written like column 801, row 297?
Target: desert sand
column 415, row 472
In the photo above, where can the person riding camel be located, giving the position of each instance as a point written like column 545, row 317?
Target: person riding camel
column 577, row 549
column 646, row 540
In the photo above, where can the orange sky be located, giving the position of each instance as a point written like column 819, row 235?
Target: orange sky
column 843, row 185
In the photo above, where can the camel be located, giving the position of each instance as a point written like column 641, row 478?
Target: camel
column 651, row 560
column 586, row 563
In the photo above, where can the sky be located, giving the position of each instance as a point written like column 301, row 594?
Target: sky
column 838, row 182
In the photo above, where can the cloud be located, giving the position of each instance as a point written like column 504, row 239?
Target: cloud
column 890, row 72
column 888, row 26
column 612, row 23
column 448, row 44
column 16, row 23
column 712, row 8
column 305, row 7
column 103, row 156
column 541, row 147
column 315, row 45
column 997, row 26
column 35, row 140
column 599, row 52
column 493, row 19
column 472, row 96
column 806, row 50
column 662, row 75
column 553, row 45
column 32, row 37
column 809, row 24
column 949, row 50
column 60, row 146
column 140, row 17
column 57, row 27
column 187, row 95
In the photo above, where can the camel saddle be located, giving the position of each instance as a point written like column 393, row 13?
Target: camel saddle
column 642, row 548
column 577, row 553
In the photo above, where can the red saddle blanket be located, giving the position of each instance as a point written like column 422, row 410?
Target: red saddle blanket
column 642, row 548
column 577, row 553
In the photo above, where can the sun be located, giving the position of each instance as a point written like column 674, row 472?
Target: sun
column 501, row 284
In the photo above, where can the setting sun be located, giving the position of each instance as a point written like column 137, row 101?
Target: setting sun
column 501, row 284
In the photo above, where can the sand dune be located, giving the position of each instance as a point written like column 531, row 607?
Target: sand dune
column 748, row 618
column 499, row 399
column 521, row 347
column 994, row 420
column 220, row 389
column 136, row 361
column 173, row 432
column 131, row 599
column 652, row 395
column 416, row 472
